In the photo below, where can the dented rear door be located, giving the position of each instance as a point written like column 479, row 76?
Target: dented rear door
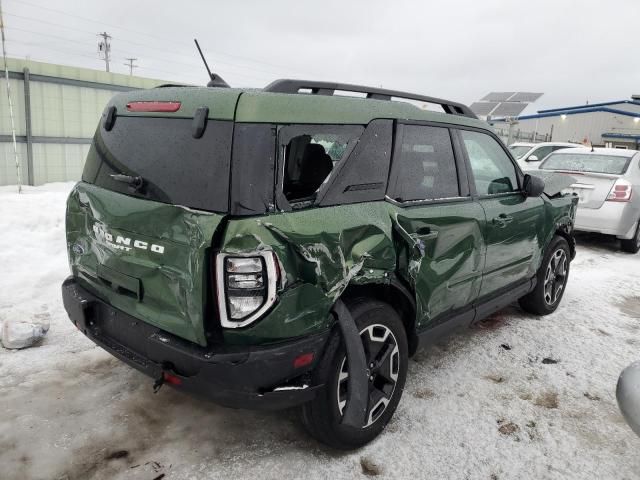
column 437, row 223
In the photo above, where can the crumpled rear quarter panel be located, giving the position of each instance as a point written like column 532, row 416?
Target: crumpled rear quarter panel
column 321, row 251
column 324, row 250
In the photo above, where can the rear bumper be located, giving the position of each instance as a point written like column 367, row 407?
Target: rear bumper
column 612, row 218
column 262, row 378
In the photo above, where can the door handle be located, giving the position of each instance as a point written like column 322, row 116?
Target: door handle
column 502, row 220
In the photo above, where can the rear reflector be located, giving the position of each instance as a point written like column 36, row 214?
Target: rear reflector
column 303, row 360
column 153, row 106
column 171, row 379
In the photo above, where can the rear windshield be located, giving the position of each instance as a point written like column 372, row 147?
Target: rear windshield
column 175, row 167
column 580, row 162
column 518, row 151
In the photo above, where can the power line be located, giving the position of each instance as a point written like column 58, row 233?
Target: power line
column 74, row 41
column 12, row 28
column 269, row 74
column 172, row 74
column 253, row 60
column 47, row 23
column 190, row 65
column 263, row 74
column 54, row 49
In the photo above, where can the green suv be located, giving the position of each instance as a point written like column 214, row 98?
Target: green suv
column 291, row 246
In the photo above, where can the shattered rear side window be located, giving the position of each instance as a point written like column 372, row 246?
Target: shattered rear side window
column 310, row 154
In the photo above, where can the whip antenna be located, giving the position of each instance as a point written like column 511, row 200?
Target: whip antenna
column 214, row 79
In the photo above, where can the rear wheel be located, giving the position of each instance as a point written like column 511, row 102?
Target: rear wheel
column 552, row 279
column 633, row 244
column 385, row 345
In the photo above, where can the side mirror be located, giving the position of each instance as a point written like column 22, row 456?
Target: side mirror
column 532, row 186
column 532, row 158
column 628, row 395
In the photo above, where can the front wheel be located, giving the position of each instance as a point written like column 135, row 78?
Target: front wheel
column 385, row 346
column 633, row 244
column 551, row 278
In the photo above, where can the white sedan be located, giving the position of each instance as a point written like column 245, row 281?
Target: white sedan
column 608, row 187
column 529, row 155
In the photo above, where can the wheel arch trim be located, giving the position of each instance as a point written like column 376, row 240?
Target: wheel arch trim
column 398, row 296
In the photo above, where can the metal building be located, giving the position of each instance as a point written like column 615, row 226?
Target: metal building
column 613, row 124
column 56, row 109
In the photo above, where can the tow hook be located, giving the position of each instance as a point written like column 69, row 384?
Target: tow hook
column 157, row 385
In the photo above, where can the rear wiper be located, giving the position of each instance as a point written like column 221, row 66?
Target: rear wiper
column 136, row 183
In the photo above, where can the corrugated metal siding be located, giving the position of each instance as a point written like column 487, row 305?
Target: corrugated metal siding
column 64, row 111
column 58, row 163
column 84, row 74
column 17, row 98
column 8, row 173
column 574, row 128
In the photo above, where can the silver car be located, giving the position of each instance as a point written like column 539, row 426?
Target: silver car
column 608, row 187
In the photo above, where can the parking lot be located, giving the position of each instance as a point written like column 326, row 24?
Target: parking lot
column 514, row 397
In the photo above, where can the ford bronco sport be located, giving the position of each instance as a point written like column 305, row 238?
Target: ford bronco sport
column 293, row 247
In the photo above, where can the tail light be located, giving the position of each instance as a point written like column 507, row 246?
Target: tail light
column 246, row 286
column 621, row 192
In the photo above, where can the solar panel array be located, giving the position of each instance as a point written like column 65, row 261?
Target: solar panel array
column 483, row 108
column 528, row 97
column 509, row 109
column 498, row 97
column 504, row 104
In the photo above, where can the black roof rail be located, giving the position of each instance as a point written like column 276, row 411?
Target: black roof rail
column 328, row 88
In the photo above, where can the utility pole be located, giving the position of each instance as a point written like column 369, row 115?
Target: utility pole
column 131, row 65
column 13, row 125
column 104, row 48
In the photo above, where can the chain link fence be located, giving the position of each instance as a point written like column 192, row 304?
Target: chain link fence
column 520, row 136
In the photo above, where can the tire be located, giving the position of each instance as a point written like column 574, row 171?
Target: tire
column 633, row 244
column 321, row 416
column 552, row 279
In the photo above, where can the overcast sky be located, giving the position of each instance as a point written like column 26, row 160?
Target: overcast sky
column 571, row 50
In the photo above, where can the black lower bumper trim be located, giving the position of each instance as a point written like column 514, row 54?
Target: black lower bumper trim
column 254, row 377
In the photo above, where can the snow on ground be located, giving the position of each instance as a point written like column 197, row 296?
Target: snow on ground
column 515, row 397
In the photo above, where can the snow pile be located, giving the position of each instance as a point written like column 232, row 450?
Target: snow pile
column 33, row 259
column 517, row 397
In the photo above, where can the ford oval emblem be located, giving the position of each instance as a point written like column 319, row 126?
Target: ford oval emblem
column 77, row 249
